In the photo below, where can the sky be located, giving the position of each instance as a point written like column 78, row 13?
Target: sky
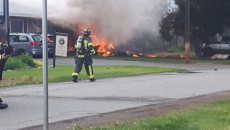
column 53, row 5
column 1, row 10
column 57, row 6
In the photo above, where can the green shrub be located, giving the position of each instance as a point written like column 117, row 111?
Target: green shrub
column 38, row 64
column 27, row 59
column 14, row 63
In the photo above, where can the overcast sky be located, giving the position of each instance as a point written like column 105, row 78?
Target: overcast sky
column 53, row 5
column 35, row 6
column 59, row 5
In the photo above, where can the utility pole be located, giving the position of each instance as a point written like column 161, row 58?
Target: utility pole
column 7, row 21
column 45, row 66
column 187, row 31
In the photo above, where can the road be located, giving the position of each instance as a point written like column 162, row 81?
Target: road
column 99, row 62
column 70, row 101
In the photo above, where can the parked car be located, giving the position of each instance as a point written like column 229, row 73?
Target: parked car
column 50, row 41
column 30, row 43
column 217, row 47
column 50, row 38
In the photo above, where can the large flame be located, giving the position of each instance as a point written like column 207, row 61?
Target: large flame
column 104, row 47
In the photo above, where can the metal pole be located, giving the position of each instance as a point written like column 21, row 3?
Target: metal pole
column 187, row 31
column 45, row 65
column 54, row 53
column 7, row 22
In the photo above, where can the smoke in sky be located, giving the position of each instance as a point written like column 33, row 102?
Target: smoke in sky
column 118, row 20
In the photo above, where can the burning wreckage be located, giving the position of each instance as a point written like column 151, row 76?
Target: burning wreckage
column 116, row 30
column 105, row 48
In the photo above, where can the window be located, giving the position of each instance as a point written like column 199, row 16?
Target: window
column 2, row 11
column 226, row 40
column 51, row 38
column 19, row 39
column 17, row 26
column 1, row 8
column 23, row 39
column 13, row 38
column 37, row 38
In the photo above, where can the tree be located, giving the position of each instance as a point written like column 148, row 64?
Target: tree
column 167, row 28
column 208, row 17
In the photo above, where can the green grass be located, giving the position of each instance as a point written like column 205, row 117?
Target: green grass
column 64, row 73
column 207, row 117
column 165, row 60
column 175, row 51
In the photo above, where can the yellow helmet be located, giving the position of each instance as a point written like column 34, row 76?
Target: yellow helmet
column 87, row 31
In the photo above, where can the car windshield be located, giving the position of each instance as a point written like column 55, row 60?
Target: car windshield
column 51, row 38
column 37, row 38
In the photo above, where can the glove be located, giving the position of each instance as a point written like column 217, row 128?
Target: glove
column 4, row 56
column 7, row 50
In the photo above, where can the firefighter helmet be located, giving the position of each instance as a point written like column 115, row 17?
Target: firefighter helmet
column 87, row 31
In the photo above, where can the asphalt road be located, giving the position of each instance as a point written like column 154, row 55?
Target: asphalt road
column 71, row 101
column 98, row 62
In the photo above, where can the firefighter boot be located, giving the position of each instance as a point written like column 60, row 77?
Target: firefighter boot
column 1, row 99
column 92, row 80
column 74, row 79
column 3, row 106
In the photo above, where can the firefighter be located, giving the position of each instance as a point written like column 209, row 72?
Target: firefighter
column 3, row 59
column 84, row 51
column 2, row 105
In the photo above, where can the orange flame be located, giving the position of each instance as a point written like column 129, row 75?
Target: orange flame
column 105, row 47
column 137, row 56
column 70, row 47
column 152, row 56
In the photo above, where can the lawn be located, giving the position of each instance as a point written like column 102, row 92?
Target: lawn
column 64, row 73
column 206, row 117
column 174, row 51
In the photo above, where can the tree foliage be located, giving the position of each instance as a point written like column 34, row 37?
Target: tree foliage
column 208, row 17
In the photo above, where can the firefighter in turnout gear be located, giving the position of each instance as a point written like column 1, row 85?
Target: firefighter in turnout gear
column 3, row 59
column 84, row 51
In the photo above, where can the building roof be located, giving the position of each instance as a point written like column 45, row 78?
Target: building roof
column 20, row 10
column 31, row 8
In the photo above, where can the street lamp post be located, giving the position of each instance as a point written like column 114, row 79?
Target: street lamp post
column 187, row 31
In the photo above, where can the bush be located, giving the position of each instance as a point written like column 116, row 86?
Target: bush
column 21, row 62
column 27, row 59
column 37, row 64
column 14, row 63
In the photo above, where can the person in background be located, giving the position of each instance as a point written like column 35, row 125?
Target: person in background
column 3, row 59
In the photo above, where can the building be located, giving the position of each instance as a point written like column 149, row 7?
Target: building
column 24, row 19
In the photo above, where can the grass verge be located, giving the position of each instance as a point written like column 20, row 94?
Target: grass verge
column 64, row 73
column 165, row 60
column 207, row 117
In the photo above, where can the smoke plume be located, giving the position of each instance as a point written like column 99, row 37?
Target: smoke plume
column 120, row 21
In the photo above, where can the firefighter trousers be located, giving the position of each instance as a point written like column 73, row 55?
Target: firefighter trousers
column 87, row 61
column 2, row 64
